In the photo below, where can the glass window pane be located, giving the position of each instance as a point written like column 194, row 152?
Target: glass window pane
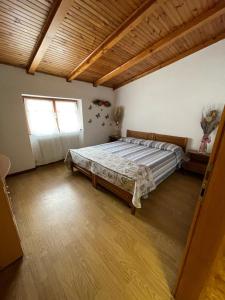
column 67, row 113
column 41, row 117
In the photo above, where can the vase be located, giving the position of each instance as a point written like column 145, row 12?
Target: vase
column 203, row 146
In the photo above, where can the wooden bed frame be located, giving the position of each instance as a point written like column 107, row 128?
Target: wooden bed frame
column 126, row 196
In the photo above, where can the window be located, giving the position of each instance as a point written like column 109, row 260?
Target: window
column 47, row 116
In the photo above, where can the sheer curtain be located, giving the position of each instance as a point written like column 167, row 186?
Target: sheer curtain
column 54, row 127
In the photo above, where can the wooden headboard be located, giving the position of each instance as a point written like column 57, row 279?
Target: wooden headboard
column 177, row 140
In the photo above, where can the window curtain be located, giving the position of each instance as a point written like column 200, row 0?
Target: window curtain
column 54, row 128
column 51, row 148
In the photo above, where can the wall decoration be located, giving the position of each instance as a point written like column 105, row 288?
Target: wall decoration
column 99, row 113
column 101, row 103
column 209, row 122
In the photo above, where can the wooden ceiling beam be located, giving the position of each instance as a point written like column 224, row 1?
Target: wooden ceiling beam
column 172, row 60
column 131, row 22
column 55, row 18
column 207, row 16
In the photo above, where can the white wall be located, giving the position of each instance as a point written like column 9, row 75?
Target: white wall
column 168, row 101
column 171, row 100
column 14, row 139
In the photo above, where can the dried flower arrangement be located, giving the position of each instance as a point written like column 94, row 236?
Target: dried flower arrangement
column 117, row 116
column 209, row 122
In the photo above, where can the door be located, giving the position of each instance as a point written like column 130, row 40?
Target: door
column 208, row 227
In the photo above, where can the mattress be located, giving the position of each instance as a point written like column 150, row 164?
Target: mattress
column 135, row 165
column 161, row 162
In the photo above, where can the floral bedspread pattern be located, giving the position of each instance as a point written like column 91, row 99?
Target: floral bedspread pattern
column 134, row 178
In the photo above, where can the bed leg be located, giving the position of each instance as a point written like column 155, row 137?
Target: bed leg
column 71, row 166
column 94, row 181
column 133, row 209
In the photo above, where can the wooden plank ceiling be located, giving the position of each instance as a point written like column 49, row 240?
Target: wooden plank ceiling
column 106, row 42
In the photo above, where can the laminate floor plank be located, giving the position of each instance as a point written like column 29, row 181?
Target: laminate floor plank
column 83, row 243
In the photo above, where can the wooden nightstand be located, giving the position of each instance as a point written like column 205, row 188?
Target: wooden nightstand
column 113, row 138
column 197, row 162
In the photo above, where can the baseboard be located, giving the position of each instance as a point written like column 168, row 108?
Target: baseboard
column 33, row 169
column 21, row 172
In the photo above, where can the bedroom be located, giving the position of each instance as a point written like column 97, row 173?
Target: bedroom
column 165, row 63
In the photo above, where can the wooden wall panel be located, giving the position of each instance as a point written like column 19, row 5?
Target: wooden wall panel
column 21, row 23
column 166, row 41
column 192, row 40
column 88, row 23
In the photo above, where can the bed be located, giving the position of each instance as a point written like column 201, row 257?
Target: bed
column 131, row 167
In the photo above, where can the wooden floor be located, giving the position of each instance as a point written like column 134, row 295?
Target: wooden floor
column 82, row 243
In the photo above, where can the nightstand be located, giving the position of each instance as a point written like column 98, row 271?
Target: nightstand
column 113, row 138
column 197, row 162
